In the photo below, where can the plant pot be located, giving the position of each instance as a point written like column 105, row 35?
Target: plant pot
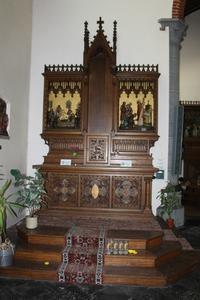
column 31, row 222
column 170, row 223
column 6, row 257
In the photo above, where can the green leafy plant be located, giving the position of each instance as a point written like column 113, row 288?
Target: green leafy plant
column 6, row 206
column 169, row 198
column 31, row 190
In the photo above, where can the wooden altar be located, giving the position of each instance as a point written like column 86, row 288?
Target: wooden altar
column 100, row 121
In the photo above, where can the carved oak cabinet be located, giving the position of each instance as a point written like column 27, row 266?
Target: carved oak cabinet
column 100, row 121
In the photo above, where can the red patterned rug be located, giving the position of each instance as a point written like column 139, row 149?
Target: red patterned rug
column 83, row 256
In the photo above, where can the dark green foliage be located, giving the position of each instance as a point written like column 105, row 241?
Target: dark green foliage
column 31, row 190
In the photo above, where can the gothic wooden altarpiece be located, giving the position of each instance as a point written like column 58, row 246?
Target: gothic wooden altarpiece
column 101, row 119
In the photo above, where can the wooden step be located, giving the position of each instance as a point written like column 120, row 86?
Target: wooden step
column 167, row 251
column 146, row 258
column 168, row 272
column 35, row 252
column 142, row 259
column 137, row 239
column 180, row 265
column 46, row 235
column 133, row 276
column 31, row 270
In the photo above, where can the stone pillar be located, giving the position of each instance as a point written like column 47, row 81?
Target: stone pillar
column 177, row 30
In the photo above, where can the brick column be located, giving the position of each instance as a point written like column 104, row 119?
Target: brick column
column 178, row 9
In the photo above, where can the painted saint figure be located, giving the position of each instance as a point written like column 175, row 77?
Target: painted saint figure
column 126, row 116
column 140, row 112
column 147, row 117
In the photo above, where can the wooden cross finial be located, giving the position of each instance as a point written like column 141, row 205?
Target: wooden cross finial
column 100, row 22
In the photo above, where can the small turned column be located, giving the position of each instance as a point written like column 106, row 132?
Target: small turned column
column 147, row 195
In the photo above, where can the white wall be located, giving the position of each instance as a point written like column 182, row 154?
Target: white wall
column 190, row 60
column 58, row 31
column 15, row 47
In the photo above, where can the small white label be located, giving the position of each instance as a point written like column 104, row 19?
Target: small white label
column 65, row 162
column 126, row 163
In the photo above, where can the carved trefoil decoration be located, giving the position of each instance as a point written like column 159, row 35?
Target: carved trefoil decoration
column 126, row 191
column 95, row 191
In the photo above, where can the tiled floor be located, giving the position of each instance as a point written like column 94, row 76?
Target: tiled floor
column 187, row 288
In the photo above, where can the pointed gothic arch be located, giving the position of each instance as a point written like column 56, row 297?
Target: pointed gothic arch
column 178, row 9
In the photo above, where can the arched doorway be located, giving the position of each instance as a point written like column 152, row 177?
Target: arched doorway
column 177, row 29
column 182, row 8
column 190, row 100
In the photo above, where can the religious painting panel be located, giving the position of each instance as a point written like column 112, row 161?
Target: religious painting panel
column 136, row 105
column 64, row 106
column 63, row 97
column 137, row 97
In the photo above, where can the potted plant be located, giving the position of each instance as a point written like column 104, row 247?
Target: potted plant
column 31, row 193
column 170, row 198
column 6, row 247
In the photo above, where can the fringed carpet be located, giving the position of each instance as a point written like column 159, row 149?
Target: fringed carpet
column 83, row 256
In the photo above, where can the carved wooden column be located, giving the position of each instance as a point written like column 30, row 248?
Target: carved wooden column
column 148, row 189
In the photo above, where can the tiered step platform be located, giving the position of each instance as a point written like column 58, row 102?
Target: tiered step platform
column 157, row 262
column 151, row 265
column 37, row 253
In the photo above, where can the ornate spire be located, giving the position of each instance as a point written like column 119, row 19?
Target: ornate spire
column 86, row 35
column 114, row 36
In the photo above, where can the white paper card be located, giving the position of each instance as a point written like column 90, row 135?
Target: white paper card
column 126, row 163
column 65, row 162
